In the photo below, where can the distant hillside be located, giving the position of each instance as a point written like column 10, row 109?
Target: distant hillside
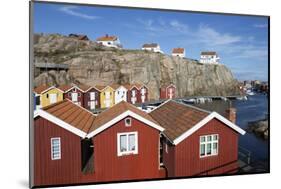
column 92, row 64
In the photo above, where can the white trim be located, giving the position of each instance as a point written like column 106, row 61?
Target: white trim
column 57, row 158
column 206, row 142
column 122, row 116
column 126, row 124
column 60, row 123
column 52, row 87
column 171, row 85
column 206, row 120
column 128, row 152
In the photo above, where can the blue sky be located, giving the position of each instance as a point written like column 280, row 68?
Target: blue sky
column 241, row 41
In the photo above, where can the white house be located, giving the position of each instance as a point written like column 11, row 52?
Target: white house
column 209, row 57
column 154, row 47
column 120, row 93
column 180, row 52
column 109, row 41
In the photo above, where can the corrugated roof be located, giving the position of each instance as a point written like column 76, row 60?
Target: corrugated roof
column 72, row 114
column 117, row 110
column 177, row 118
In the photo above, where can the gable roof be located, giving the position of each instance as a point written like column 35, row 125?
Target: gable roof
column 208, row 53
column 42, row 88
column 180, row 120
column 150, row 45
column 65, row 88
column 107, row 38
column 84, row 88
column 69, row 116
column 168, row 85
column 117, row 113
column 178, row 50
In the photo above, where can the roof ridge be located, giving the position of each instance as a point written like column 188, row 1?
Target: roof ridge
column 81, row 107
column 54, row 104
column 194, row 107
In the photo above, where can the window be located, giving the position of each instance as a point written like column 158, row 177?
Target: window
column 127, row 143
column 55, row 148
column 47, row 95
column 74, row 90
column 128, row 122
column 209, row 145
column 79, row 94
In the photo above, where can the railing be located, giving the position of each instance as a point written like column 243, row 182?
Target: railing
column 244, row 155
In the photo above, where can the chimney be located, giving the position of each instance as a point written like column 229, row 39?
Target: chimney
column 231, row 114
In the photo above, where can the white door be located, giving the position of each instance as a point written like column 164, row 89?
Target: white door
column 170, row 94
column 92, row 96
column 107, row 103
column 92, row 105
column 53, row 98
column 74, row 97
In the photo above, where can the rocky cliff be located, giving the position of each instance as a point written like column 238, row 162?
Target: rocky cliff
column 92, row 64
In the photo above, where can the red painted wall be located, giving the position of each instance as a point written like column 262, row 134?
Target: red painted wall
column 187, row 158
column 144, row 165
column 67, row 170
column 80, row 97
column 165, row 90
column 86, row 99
column 169, row 158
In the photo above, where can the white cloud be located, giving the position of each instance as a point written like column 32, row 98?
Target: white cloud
column 260, row 25
column 179, row 26
column 73, row 10
column 209, row 35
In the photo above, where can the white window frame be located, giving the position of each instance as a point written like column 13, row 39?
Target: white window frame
column 209, row 142
column 52, row 152
column 119, row 153
column 128, row 125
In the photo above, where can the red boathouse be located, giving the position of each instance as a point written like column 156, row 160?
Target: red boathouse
column 198, row 142
column 168, row 91
column 73, row 93
column 72, row 145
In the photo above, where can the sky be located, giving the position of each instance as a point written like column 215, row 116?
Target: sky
column 240, row 41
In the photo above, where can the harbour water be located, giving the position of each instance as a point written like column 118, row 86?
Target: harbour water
column 255, row 108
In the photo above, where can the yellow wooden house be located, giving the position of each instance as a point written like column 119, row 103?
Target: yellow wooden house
column 107, row 98
column 47, row 95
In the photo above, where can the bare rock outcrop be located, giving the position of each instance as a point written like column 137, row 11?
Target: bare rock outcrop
column 93, row 64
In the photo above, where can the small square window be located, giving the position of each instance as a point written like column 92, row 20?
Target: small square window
column 128, row 122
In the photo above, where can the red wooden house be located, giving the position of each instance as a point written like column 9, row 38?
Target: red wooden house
column 143, row 93
column 168, row 91
column 91, row 97
column 73, row 93
column 132, row 93
column 137, row 93
column 197, row 142
column 72, row 145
